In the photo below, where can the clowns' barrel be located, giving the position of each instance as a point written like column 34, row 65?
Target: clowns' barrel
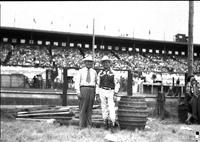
column 132, row 112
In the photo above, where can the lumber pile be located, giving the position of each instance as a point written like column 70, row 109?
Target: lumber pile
column 65, row 115
column 57, row 113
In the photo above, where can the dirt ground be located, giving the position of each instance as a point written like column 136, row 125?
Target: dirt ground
column 168, row 130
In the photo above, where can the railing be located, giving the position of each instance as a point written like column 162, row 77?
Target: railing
column 154, row 88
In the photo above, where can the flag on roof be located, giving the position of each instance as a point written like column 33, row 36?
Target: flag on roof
column 34, row 20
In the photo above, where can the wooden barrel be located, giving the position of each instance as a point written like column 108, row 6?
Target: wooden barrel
column 132, row 112
column 182, row 112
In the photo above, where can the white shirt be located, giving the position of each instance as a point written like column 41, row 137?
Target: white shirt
column 81, row 78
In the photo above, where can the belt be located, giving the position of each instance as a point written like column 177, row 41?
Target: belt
column 107, row 88
column 88, row 86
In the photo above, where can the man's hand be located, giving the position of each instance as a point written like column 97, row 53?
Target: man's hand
column 79, row 96
column 115, row 97
column 98, row 100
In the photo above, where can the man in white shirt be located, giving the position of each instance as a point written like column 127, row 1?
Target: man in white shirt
column 85, row 85
column 107, row 88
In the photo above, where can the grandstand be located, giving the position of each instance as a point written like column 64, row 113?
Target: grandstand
column 23, row 47
column 37, row 52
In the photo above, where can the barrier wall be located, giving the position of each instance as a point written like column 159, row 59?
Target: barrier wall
column 29, row 98
column 6, row 81
column 13, row 81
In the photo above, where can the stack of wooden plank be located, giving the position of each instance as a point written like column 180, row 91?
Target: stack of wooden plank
column 68, row 115
column 58, row 113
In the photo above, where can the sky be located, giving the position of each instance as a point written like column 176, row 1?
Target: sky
column 156, row 20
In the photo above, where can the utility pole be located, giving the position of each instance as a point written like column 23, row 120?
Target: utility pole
column 190, row 38
column 93, row 40
column 0, row 15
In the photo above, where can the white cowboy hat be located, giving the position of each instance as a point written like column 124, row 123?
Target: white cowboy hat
column 105, row 58
column 88, row 58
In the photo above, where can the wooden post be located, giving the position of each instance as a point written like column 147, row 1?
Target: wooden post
column 152, row 88
column 190, row 38
column 129, row 83
column 162, row 89
column 93, row 42
column 182, row 90
column 65, row 87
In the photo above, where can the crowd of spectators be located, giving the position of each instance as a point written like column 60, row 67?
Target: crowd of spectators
column 26, row 55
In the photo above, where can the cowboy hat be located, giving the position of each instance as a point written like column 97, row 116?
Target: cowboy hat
column 88, row 58
column 105, row 58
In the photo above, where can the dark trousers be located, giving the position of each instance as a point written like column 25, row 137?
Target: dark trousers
column 85, row 106
column 195, row 110
column 187, row 101
column 198, row 109
column 193, row 104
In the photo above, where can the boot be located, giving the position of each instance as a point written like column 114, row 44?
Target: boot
column 188, row 121
column 112, row 127
column 106, row 124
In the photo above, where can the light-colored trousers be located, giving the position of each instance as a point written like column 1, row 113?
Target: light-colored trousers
column 107, row 104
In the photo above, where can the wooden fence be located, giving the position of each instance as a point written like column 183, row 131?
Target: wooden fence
column 27, row 99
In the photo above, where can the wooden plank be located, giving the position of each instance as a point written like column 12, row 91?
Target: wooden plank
column 20, row 107
column 48, row 117
column 31, row 119
column 33, row 96
column 45, row 111
column 47, row 114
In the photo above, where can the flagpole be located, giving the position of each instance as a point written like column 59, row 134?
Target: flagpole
column 34, row 21
column 69, row 27
column 149, row 33
column 93, row 40
column 133, row 41
column 190, row 38
column 0, row 15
